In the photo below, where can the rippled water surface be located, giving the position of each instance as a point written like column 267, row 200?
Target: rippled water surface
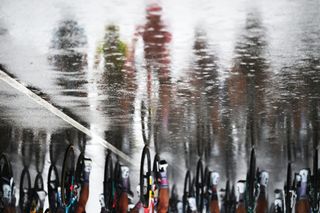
column 191, row 78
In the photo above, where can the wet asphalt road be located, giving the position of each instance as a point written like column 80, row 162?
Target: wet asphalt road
column 202, row 79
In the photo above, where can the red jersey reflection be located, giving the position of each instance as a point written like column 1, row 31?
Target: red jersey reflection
column 156, row 41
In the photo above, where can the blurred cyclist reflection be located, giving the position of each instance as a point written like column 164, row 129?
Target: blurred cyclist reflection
column 69, row 58
column 156, row 41
column 118, row 82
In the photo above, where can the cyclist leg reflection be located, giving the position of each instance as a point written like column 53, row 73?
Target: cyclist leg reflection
column 84, row 193
column 214, row 202
column 124, row 190
column 163, row 204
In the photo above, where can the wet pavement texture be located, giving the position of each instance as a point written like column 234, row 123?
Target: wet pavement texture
column 190, row 78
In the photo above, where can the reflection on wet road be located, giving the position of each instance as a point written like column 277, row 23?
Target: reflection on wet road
column 203, row 80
